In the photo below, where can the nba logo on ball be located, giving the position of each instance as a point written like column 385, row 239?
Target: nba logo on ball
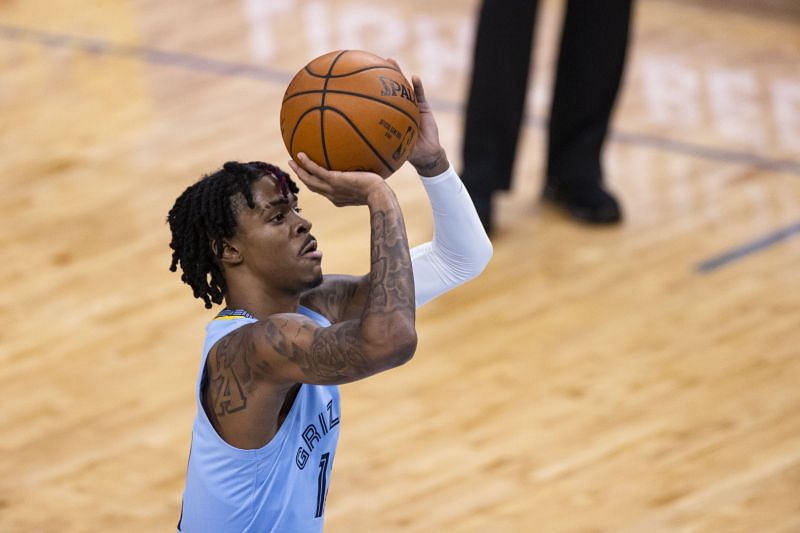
column 351, row 110
column 392, row 88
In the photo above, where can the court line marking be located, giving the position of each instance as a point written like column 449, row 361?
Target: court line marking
column 748, row 248
column 224, row 67
column 149, row 55
column 244, row 70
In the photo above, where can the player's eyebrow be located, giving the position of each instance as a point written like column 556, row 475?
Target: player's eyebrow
column 278, row 201
column 281, row 200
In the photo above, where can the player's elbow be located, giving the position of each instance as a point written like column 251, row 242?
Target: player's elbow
column 480, row 256
column 395, row 347
column 401, row 344
column 483, row 255
column 405, row 348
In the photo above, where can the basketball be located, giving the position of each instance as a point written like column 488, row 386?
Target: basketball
column 350, row 110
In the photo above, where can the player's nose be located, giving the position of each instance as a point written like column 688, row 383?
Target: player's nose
column 304, row 225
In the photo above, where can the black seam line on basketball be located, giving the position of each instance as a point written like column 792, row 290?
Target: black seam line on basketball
column 358, row 131
column 297, row 125
column 322, row 76
column 315, row 75
column 322, row 109
column 367, row 97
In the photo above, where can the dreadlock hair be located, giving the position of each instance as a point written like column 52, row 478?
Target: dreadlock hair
column 205, row 214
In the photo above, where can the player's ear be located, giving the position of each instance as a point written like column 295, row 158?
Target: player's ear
column 230, row 253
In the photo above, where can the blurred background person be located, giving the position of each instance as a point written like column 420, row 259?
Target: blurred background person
column 591, row 60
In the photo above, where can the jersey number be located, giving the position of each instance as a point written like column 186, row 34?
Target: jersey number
column 322, row 484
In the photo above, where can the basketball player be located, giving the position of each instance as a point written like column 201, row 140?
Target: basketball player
column 268, row 412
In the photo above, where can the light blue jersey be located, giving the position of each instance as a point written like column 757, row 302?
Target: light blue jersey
column 280, row 487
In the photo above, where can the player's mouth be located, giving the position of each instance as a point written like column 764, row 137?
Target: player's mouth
column 309, row 249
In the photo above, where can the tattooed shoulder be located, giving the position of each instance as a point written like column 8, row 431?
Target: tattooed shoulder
column 232, row 369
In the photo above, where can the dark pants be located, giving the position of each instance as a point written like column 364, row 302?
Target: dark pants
column 590, row 63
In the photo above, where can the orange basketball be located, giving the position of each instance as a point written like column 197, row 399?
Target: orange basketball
column 350, row 110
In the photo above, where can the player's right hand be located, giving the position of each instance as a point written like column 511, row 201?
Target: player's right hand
column 341, row 188
column 427, row 155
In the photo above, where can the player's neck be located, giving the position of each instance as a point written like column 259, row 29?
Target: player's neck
column 262, row 302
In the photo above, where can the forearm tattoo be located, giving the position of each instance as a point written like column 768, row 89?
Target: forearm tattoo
column 391, row 279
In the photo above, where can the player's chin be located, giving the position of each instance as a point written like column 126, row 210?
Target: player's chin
column 315, row 279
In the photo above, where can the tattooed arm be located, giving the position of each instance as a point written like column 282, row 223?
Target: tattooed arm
column 290, row 348
column 458, row 251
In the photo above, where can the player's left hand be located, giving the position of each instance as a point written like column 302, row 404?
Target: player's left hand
column 341, row 188
column 427, row 155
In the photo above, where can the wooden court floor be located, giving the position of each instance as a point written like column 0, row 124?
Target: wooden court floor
column 643, row 378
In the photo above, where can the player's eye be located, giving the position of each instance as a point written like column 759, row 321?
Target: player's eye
column 277, row 219
column 297, row 209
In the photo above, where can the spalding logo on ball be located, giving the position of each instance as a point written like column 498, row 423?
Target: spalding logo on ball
column 350, row 110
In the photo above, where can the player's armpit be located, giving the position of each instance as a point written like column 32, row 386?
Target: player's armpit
column 340, row 297
column 291, row 348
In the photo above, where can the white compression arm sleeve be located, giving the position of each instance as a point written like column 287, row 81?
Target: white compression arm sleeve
column 460, row 248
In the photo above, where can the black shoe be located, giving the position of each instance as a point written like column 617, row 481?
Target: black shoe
column 483, row 205
column 584, row 199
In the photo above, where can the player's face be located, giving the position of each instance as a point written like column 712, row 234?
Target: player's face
column 275, row 241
